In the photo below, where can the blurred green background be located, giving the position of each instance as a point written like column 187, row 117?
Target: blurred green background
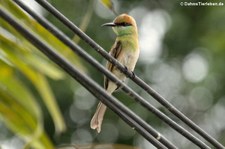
column 182, row 57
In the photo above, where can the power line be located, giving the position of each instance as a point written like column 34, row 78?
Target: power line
column 126, row 114
column 136, row 79
column 130, row 92
column 163, row 117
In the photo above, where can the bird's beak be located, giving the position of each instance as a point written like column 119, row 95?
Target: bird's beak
column 109, row 24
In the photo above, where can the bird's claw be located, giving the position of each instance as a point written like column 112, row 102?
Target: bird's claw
column 133, row 75
column 126, row 68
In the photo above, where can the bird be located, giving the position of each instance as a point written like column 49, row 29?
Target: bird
column 126, row 51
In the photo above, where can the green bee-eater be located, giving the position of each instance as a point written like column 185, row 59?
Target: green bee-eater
column 126, row 51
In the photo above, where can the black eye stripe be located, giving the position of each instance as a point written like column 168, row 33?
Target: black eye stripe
column 123, row 24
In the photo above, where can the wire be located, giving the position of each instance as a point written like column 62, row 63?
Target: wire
column 93, row 62
column 126, row 114
column 124, row 87
column 166, row 119
column 129, row 74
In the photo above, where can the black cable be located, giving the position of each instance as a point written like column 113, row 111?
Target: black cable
column 81, row 53
column 129, row 74
column 126, row 114
column 92, row 61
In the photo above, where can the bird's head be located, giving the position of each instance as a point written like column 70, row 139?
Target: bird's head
column 123, row 25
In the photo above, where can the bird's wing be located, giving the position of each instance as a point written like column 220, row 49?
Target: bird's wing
column 115, row 52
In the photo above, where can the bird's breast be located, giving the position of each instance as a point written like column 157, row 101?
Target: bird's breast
column 130, row 58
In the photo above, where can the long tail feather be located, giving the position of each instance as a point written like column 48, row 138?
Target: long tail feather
column 96, row 121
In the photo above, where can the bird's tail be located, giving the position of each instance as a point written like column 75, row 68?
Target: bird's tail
column 96, row 121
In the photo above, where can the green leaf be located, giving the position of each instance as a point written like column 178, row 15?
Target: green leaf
column 44, row 67
column 16, row 89
column 109, row 4
column 39, row 81
column 36, row 61
column 19, row 110
column 40, row 31
column 46, row 93
column 17, row 54
column 32, row 63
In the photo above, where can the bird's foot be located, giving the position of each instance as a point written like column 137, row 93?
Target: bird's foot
column 133, row 75
column 126, row 68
